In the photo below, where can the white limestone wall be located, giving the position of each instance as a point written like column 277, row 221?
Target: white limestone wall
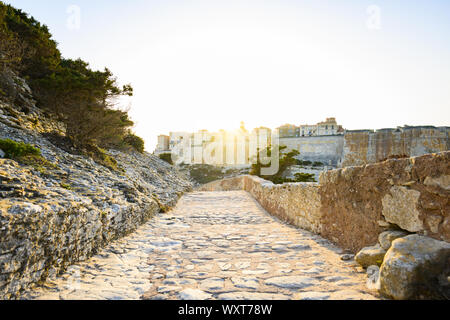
column 325, row 149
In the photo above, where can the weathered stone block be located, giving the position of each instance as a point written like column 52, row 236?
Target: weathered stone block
column 440, row 182
column 400, row 208
column 433, row 222
column 373, row 277
column 414, row 267
column 370, row 256
column 385, row 238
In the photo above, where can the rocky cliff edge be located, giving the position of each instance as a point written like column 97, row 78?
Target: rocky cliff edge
column 55, row 216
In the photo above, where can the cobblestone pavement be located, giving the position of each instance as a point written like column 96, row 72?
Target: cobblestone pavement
column 213, row 245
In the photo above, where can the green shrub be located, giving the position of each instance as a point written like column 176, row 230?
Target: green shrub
column 299, row 177
column 204, row 173
column 304, row 177
column 101, row 157
column 137, row 143
column 26, row 154
column 304, row 163
column 66, row 186
column 167, row 157
column 14, row 150
column 285, row 161
column 36, row 161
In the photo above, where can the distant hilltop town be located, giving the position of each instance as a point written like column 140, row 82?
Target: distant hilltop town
column 326, row 142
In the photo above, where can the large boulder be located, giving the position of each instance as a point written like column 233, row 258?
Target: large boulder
column 385, row 238
column 400, row 208
column 370, row 256
column 416, row 267
column 373, row 278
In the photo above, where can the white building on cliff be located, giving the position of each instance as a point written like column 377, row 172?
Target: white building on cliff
column 223, row 148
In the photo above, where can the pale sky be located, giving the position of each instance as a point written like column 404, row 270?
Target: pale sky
column 211, row 64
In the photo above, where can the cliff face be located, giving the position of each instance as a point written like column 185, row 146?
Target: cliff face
column 52, row 218
column 366, row 147
column 361, row 147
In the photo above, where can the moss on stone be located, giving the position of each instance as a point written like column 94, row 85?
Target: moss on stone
column 14, row 149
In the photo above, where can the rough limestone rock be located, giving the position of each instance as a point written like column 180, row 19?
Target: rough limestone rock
column 385, row 238
column 349, row 294
column 245, row 283
column 400, row 208
column 313, row 295
column 416, row 267
column 440, row 182
column 373, row 281
column 370, row 256
column 194, row 294
column 212, row 284
column 53, row 217
column 347, row 257
column 290, row 282
column 252, row 296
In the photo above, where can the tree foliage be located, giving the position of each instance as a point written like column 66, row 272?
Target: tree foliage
column 45, row 56
column 204, row 173
column 10, row 46
column 135, row 142
column 84, row 99
column 167, row 157
column 285, row 161
column 304, row 177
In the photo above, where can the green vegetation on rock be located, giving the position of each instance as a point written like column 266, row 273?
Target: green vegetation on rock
column 66, row 186
column 85, row 100
column 203, row 173
column 304, row 177
column 26, row 154
column 101, row 157
column 304, row 163
column 285, row 161
column 14, row 149
column 132, row 140
column 167, row 157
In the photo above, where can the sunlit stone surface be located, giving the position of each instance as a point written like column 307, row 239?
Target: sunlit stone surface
column 213, row 245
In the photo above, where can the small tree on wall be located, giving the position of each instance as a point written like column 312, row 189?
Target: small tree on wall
column 304, row 177
column 286, row 160
column 167, row 157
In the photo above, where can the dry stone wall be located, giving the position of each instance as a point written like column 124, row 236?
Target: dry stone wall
column 353, row 205
column 46, row 227
column 51, row 218
column 296, row 203
column 358, row 203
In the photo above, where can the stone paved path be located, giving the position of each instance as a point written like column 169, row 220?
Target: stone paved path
column 213, row 245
